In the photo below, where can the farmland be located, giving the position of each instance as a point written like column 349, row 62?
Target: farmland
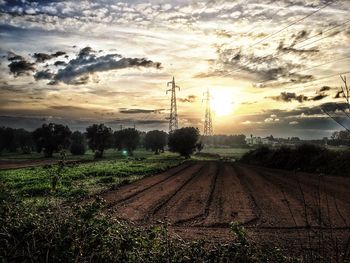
column 82, row 179
column 220, row 202
column 201, row 199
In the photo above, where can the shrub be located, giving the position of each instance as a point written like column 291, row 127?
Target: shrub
column 306, row 157
column 81, row 233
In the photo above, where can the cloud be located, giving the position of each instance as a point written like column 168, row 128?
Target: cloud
column 60, row 63
column 19, row 66
column 319, row 97
column 289, row 97
column 325, row 88
column 137, row 111
column 80, row 70
column 44, row 74
column 42, row 57
column 189, row 98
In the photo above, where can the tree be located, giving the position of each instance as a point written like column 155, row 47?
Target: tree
column 7, row 139
column 24, row 140
column 344, row 107
column 155, row 140
column 183, row 141
column 78, row 145
column 99, row 137
column 127, row 139
column 49, row 138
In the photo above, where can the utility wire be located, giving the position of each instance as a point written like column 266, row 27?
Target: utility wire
column 313, row 67
column 321, row 33
column 292, row 24
column 277, row 32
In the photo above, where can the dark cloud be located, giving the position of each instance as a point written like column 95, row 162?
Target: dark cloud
column 58, row 53
column 319, row 97
column 60, row 63
column 80, row 70
column 290, row 96
column 339, row 94
column 44, row 74
column 189, row 98
column 137, row 111
column 21, row 67
column 325, row 88
column 41, row 57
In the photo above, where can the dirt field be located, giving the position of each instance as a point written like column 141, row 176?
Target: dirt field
column 200, row 199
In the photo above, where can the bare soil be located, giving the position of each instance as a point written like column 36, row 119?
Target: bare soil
column 201, row 199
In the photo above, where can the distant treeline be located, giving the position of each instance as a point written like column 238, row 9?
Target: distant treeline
column 304, row 157
column 51, row 138
column 225, row 140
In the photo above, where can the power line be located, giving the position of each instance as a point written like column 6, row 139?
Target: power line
column 277, row 32
column 313, row 67
column 321, row 33
column 326, row 77
column 292, row 24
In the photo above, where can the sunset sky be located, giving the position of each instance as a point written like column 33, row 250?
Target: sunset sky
column 270, row 65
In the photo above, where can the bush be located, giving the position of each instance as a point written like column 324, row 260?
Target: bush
column 77, row 233
column 305, row 157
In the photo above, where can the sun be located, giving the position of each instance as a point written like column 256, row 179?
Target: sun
column 221, row 102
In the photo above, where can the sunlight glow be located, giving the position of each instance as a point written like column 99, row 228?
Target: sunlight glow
column 221, row 102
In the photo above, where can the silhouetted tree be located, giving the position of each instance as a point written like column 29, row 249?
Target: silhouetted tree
column 155, row 140
column 78, row 145
column 24, row 140
column 183, row 141
column 127, row 139
column 7, row 136
column 98, row 136
column 49, row 138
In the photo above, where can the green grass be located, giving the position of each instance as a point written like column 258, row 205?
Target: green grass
column 85, row 179
column 235, row 153
column 109, row 154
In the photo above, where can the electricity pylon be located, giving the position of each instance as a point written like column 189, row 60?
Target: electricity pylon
column 173, row 121
column 208, row 125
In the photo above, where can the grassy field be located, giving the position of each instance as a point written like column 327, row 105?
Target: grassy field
column 109, row 154
column 235, row 153
column 77, row 180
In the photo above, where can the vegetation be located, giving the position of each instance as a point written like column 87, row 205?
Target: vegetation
column 225, row 140
column 13, row 140
column 78, row 144
column 155, row 140
column 83, row 233
column 99, row 137
column 183, row 141
column 305, row 157
column 78, row 180
column 51, row 137
column 127, row 139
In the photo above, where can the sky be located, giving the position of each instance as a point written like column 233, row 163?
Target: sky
column 271, row 66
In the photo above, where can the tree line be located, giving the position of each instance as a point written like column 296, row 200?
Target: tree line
column 51, row 138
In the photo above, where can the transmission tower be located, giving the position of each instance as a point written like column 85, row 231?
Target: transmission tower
column 208, row 125
column 173, row 121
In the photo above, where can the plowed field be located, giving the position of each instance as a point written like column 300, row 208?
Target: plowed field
column 200, row 199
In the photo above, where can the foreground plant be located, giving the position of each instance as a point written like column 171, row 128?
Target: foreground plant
column 77, row 233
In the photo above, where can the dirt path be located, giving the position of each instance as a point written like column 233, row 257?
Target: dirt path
column 200, row 199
